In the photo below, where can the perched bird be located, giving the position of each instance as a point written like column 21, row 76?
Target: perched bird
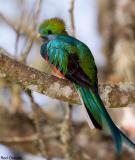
column 72, row 59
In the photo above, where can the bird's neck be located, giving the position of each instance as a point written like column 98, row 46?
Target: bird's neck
column 53, row 36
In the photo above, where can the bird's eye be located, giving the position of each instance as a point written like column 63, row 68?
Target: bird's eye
column 49, row 32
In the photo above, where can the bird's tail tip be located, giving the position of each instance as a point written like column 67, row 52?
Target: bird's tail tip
column 130, row 143
column 123, row 138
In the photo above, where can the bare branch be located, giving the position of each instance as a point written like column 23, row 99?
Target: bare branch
column 23, row 138
column 8, row 21
column 16, row 139
column 119, row 95
column 66, row 134
column 36, row 115
column 28, row 47
column 71, row 10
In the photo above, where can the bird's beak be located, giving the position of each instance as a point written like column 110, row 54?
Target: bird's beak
column 44, row 38
column 41, row 37
column 38, row 36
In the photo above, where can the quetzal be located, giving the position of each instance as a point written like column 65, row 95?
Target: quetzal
column 72, row 59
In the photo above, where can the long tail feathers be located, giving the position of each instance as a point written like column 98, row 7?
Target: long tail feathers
column 86, row 114
column 95, row 106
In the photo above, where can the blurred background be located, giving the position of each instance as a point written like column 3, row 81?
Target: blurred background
column 108, row 28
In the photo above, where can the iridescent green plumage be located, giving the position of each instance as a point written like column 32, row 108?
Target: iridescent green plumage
column 54, row 25
column 75, row 60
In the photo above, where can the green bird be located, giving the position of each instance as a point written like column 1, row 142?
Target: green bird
column 72, row 59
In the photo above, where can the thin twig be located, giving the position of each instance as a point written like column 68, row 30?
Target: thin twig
column 16, row 139
column 7, row 21
column 19, row 27
column 31, row 138
column 29, row 43
column 29, row 31
column 71, row 13
column 37, row 124
column 66, row 134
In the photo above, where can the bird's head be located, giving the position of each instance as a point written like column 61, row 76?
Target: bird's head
column 53, row 26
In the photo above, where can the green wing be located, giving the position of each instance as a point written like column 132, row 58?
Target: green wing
column 58, row 52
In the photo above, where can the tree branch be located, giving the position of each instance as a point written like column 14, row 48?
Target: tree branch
column 30, row 40
column 71, row 14
column 29, row 78
column 24, row 138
